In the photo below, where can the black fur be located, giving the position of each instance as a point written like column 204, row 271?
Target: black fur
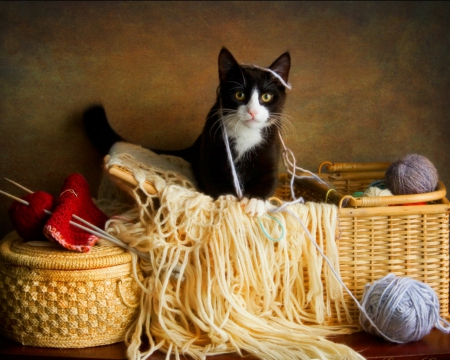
column 98, row 130
column 258, row 168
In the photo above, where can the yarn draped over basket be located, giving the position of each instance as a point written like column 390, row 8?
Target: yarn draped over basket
column 214, row 283
column 402, row 308
column 412, row 174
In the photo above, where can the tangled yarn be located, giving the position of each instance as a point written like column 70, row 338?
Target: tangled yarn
column 211, row 285
column 412, row 174
column 185, row 226
column 403, row 309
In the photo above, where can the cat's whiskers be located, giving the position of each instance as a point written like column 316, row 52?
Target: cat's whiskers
column 243, row 77
column 239, row 85
column 217, row 126
column 232, row 124
column 268, row 82
column 274, row 121
column 282, row 122
column 225, row 119
column 238, row 125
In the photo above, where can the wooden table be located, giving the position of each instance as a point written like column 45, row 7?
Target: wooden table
column 434, row 346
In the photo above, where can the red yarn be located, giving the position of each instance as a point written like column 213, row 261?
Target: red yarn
column 74, row 199
column 29, row 220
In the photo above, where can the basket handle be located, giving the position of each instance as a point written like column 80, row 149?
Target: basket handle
column 371, row 201
column 121, row 292
column 353, row 167
column 126, row 176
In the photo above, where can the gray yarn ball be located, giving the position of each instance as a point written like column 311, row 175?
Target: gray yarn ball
column 401, row 308
column 412, row 174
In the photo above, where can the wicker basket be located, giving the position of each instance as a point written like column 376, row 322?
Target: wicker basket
column 382, row 235
column 377, row 235
column 52, row 297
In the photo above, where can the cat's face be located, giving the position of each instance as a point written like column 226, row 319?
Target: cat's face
column 251, row 97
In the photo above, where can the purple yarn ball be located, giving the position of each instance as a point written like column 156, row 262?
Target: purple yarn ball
column 412, row 174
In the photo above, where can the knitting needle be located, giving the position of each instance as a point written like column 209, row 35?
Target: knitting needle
column 22, row 201
column 94, row 231
column 19, row 186
column 48, row 212
column 100, row 232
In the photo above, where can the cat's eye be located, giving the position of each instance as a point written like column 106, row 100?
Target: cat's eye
column 266, row 97
column 240, row 95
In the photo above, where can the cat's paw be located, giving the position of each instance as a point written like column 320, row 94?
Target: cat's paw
column 256, row 207
column 228, row 197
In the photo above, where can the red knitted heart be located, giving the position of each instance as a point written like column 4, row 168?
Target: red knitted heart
column 74, row 199
column 29, row 220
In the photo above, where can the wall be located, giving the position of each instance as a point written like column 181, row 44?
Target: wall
column 370, row 79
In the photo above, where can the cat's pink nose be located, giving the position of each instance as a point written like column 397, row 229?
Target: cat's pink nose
column 253, row 113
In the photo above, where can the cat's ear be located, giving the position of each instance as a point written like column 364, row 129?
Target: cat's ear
column 226, row 63
column 282, row 66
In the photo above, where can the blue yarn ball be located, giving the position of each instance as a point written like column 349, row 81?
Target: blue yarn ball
column 403, row 309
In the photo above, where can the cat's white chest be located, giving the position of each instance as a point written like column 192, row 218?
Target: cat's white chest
column 245, row 139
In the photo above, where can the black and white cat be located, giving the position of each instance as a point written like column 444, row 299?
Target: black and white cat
column 248, row 107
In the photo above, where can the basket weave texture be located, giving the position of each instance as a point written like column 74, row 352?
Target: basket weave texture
column 52, row 297
column 383, row 235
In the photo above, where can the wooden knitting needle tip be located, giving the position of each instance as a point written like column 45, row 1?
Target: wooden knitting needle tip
column 19, row 186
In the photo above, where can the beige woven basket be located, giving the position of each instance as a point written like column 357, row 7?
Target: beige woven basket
column 52, row 297
column 382, row 235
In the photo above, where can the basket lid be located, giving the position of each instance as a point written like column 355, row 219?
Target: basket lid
column 48, row 255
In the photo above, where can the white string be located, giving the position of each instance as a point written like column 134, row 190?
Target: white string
column 338, row 277
column 291, row 167
column 284, row 83
column 236, row 183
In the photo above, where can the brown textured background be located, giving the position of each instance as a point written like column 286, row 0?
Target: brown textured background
column 371, row 80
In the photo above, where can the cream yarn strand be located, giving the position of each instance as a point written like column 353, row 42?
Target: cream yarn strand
column 214, row 284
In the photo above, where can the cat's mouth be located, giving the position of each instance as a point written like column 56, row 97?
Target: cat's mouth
column 253, row 123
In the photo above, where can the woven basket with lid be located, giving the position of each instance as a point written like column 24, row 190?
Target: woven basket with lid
column 52, row 297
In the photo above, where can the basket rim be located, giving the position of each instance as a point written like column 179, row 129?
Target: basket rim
column 345, row 201
column 15, row 251
column 436, row 195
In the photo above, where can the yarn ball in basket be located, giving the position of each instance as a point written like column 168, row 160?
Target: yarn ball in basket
column 30, row 220
column 403, row 309
column 412, row 174
column 376, row 191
